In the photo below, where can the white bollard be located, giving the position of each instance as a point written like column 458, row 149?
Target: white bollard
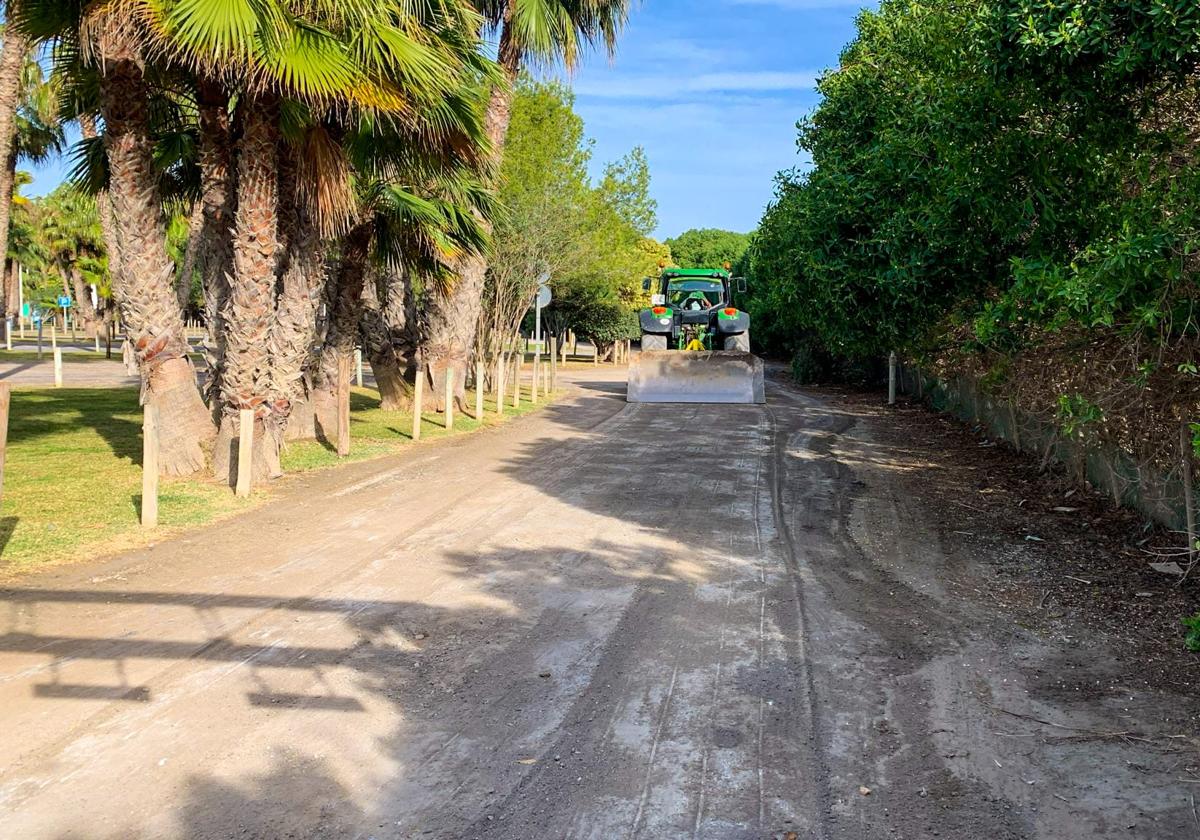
column 58, row 373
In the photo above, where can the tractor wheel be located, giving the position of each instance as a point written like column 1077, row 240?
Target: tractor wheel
column 739, row 342
column 654, row 341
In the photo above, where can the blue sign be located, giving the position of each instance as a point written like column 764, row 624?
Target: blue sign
column 64, row 301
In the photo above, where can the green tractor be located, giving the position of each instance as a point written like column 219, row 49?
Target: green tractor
column 695, row 342
column 693, row 310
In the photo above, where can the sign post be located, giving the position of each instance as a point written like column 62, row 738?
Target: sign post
column 64, row 303
column 543, row 299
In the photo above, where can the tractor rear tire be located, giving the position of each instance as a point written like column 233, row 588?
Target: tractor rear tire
column 739, row 342
column 654, row 341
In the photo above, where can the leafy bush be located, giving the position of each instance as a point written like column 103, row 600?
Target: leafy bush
column 1192, row 640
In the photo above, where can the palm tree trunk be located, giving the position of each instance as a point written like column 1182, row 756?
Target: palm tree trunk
column 143, row 286
column 246, row 381
column 301, row 287
column 391, row 336
column 12, row 58
column 104, row 207
column 213, row 246
column 342, row 332
column 84, row 310
column 453, row 318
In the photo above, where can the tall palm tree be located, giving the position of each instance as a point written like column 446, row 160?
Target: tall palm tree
column 12, row 62
column 97, row 37
column 75, row 245
column 325, row 63
column 537, row 31
column 401, row 231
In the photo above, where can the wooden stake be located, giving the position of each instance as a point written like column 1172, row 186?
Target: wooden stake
column 97, row 336
column 449, row 391
column 418, row 400
column 343, row 407
column 8, row 335
column 479, row 385
column 58, row 376
column 245, row 462
column 5, row 399
column 53, row 336
column 891, row 378
column 1189, row 494
column 518, row 361
column 537, row 371
column 150, row 466
column 358, row 368
column 554, row 364
column 501, row 370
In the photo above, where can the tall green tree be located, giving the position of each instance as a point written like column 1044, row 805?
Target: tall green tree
column 708, row 247
column 529, row 31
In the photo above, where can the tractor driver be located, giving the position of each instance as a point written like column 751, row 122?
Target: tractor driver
column 695, row 302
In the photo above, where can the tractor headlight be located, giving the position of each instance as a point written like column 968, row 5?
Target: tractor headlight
column 664, row 321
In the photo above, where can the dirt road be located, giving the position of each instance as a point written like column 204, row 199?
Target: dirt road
column 602, row 621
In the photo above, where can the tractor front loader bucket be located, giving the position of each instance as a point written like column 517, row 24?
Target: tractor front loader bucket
column 680, row 376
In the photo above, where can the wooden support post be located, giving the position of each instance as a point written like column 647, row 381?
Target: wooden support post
column 501, row 370
column 891, row 378
column 1189, row 492
column 58, row 373
column 479, row 386
column 358, row 367
column 537, row 371
column 449, row 393
column 97, row 337
column 149, row 465
column 5, row 400
column 554, row 364
column 343, row 407
column 53, row 336
column 518, row 362
column 245, row 461
column 8, row 335
column 418, row 400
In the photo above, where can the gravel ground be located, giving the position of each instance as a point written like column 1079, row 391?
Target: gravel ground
column 811, row 619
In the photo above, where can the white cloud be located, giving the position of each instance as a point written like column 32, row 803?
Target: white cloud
column 654, row 86
column 808, row 5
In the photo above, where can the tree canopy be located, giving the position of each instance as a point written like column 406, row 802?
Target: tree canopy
column 708, row 247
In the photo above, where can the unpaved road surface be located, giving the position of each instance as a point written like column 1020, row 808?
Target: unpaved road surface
column 601, row 621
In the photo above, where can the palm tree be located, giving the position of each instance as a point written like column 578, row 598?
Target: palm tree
column 320, row 66
column 75, row 245
column 12, row 62
column 400, row 232
column 96, row 39
column 538, row 31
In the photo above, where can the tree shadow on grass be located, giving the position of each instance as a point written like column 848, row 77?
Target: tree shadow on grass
column 43, row 414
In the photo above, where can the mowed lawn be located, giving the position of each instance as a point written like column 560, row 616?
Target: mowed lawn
column 72, row 477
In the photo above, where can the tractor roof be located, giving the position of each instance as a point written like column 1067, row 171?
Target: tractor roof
column 696, row 272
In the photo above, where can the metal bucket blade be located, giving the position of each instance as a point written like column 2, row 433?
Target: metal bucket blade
column 679, row 376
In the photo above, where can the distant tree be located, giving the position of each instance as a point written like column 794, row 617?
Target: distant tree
column 708, row 247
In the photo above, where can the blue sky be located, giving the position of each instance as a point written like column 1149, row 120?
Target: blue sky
column 712, row 89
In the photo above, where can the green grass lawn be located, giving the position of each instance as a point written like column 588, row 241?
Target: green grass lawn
column 72, row 476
